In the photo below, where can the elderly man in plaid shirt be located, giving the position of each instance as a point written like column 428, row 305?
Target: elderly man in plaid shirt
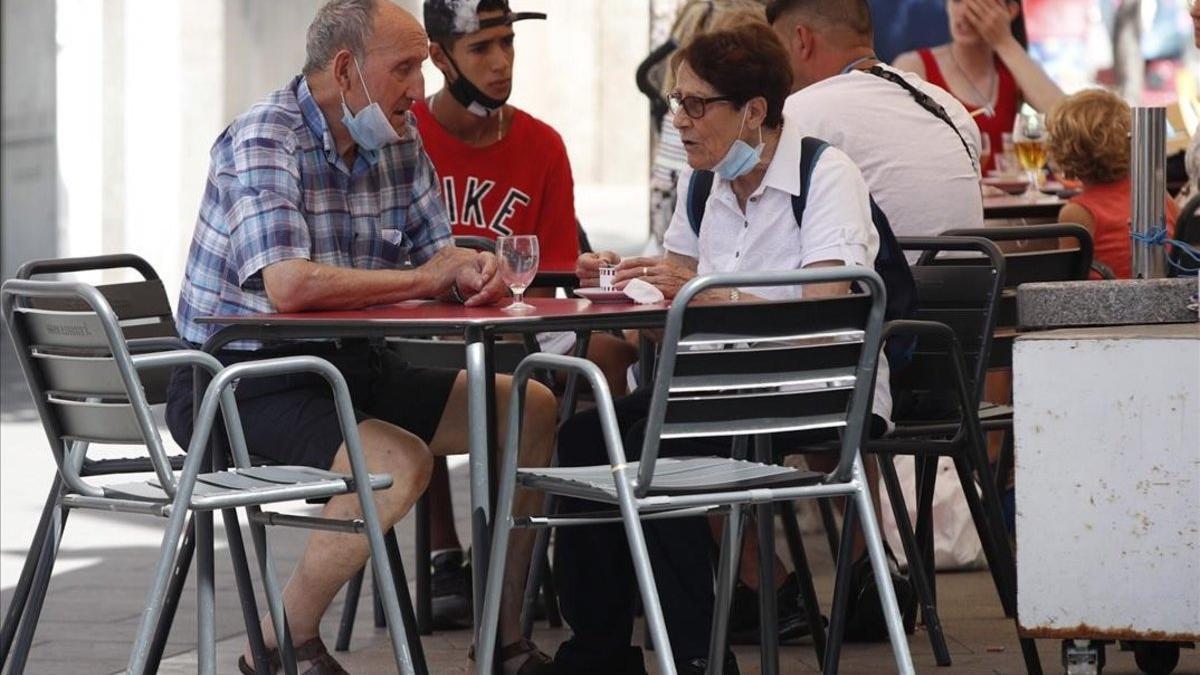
column 315, row 198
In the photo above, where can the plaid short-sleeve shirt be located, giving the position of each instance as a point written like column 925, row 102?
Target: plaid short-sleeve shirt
column 278, row 190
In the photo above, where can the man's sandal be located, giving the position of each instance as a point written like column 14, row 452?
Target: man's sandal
column 313, row 651
column 537, row 662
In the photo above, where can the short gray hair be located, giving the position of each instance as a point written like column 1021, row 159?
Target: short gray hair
column 339, row 24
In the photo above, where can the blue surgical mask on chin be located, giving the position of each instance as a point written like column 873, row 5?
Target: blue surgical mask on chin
column 741, row 158
column 369, row 127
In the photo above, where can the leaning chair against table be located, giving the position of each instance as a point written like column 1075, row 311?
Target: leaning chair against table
column 738, row 371
column 86, row 389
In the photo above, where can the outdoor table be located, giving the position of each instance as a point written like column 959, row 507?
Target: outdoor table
column 479, row 327
column 1022, row 206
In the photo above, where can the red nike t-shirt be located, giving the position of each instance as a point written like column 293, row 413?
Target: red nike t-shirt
column 519, row 185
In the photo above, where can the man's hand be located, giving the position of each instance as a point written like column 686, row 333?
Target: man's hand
column 442, row 269
column 479, row 281
column 667, row 275
column 991, row 20
column 587, row 266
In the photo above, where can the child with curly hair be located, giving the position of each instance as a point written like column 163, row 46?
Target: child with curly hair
column 1089, row 141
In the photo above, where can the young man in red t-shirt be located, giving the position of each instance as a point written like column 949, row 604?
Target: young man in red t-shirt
column 502, row 172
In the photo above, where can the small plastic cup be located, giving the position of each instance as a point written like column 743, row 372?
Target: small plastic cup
column 607, row 272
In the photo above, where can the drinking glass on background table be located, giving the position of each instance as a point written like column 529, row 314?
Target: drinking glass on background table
column 985, row 152
column 518, row 257
column 1030, row 136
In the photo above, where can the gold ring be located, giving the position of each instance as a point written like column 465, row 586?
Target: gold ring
column 645, row 271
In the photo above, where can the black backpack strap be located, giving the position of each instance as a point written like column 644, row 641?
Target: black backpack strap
column 699, row 187
column 810, row 151
column 925, row 101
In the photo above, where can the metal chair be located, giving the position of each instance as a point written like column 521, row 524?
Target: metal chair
column 938, row 397
column 145, row 313
column 1021, row 267
column 741, row 371
column 84, row 378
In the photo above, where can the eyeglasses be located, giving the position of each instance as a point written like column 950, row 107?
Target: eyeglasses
column 693, row 105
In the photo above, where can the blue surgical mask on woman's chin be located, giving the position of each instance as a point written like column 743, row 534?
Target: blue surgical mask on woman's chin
column 741, row 158
column 369, row 127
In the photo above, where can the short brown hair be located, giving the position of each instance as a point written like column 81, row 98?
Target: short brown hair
column 1089, row 136
column 853, row 16
column 742, row 62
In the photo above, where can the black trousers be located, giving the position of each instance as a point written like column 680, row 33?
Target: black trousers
column 593, row 571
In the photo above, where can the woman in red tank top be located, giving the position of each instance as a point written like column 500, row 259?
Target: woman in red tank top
column 1089, row 140
column 985, row 67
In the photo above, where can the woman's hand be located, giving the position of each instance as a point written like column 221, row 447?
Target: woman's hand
column 587, row 266
column 666, row 275
column 991, row 19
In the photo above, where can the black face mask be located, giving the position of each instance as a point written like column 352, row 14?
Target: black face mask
column 468, row 95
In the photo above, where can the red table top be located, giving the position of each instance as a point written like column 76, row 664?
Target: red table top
column 448, row 315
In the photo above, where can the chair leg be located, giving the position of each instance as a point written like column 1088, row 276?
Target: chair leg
column 812, row 606
column 533, row 582
column 825, row 505
column 995, row 548
column 926, row 476
column 406, row 606
column 841, row 591
column 156, row 598
column 183, row 562
column 1004, row 463
column 377, row 602
column 768, row 613
column 20, row 597
column 502, row 521
column 382, row 569
column 883, row 575
column 424, row 561
column 916, row 565
column 988, row 514
column 273, row 591
column 651, row 606
column 349, row 610
column 39, row 587
column 245, row 587
column 206, row 638
column 731, row 547
column 549, row 595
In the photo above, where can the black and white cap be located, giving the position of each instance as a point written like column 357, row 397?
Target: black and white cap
column 453, row 18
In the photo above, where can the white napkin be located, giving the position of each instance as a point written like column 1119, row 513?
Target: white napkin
column 642, row 292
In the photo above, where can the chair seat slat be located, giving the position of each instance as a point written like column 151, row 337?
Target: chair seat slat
column 833, row 377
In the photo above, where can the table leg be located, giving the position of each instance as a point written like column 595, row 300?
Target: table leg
column 478, row 437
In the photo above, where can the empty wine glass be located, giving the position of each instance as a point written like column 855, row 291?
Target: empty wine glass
column 518, row 257
column 1030, row 137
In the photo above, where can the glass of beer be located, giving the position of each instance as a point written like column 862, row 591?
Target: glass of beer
column 1030, row 136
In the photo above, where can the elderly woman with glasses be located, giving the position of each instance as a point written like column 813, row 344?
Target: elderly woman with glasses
column 728, row 107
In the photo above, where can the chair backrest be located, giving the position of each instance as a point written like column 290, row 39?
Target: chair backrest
column 962, row 293
column 1187, row 230
column 475, row 243
column 739, row 369
column 79, row 370
column 142, row 307
column 1028, row 266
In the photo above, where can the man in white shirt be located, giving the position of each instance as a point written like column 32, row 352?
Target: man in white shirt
column 922, row 169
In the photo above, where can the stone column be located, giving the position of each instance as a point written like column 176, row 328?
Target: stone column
column 28, row 215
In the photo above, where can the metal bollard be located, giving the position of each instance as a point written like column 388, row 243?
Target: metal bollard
column 1148, row 178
